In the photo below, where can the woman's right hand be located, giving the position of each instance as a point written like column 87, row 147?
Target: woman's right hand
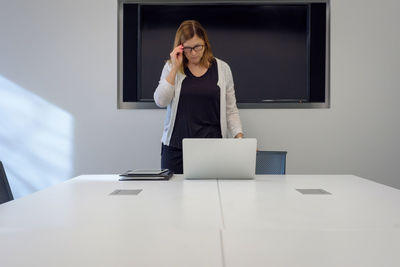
column 177, row 56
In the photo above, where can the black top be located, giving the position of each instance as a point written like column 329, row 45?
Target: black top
column 198, row 114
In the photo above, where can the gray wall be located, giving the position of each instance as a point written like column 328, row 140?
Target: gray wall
column 64, row 52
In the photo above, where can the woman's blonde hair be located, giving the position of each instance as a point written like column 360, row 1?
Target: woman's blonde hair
column 186, row 31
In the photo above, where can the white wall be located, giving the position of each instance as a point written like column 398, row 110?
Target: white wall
column 64, row 52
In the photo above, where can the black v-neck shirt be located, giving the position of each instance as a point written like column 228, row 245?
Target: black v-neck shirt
column 198, row 113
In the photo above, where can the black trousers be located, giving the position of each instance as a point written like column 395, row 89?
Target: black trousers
column 171, row 158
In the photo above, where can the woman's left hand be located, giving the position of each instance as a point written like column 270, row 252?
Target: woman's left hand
column 239, row 135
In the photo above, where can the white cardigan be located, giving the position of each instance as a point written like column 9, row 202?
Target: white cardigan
column 167, row 95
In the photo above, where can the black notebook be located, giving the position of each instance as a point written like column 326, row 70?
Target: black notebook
column 130, row 175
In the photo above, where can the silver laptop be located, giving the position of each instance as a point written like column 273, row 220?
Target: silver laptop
column 216, row 158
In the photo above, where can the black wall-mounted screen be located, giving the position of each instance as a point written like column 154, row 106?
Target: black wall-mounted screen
column 276, row 51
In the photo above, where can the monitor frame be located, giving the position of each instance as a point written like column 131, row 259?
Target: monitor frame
column 121, row 104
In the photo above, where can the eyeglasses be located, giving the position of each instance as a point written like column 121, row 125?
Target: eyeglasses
column 197, row 48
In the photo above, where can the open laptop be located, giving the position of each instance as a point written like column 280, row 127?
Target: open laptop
column 216, row 158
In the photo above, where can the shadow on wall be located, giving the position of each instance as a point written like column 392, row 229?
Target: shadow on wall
column 36, row 140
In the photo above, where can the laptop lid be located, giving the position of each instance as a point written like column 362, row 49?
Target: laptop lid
column 216, row 158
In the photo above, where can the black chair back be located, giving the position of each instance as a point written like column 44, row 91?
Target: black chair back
column 271, row 162
column 5, row 190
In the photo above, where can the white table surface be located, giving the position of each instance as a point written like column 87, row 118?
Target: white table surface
column 272, row 202
column 268, row 223
column 261, row 222
column 77, row 223
column 304, row 248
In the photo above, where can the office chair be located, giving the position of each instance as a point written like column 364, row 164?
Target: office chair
column 5, row 190
column 271, row 162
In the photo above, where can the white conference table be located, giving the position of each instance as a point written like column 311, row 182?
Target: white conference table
column 261, row 222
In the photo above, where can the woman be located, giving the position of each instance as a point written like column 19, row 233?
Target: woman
column 197, row 90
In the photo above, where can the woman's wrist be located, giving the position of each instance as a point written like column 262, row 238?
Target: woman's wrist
column 174, row 68
column 171, row 76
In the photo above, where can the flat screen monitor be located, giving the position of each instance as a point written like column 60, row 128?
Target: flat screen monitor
column 276, row 51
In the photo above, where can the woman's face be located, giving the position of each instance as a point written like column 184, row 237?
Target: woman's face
column 194, row 49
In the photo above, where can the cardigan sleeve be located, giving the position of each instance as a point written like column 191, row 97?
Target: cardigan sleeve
column 164, row 92
column 232, row 112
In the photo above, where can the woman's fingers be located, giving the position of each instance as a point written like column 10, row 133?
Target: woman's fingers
column 177, row 50
column 177, row 55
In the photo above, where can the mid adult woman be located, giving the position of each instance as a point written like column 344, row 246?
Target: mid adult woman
column 199, row 94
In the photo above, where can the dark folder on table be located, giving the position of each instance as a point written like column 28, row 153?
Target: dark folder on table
column 140, row 174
